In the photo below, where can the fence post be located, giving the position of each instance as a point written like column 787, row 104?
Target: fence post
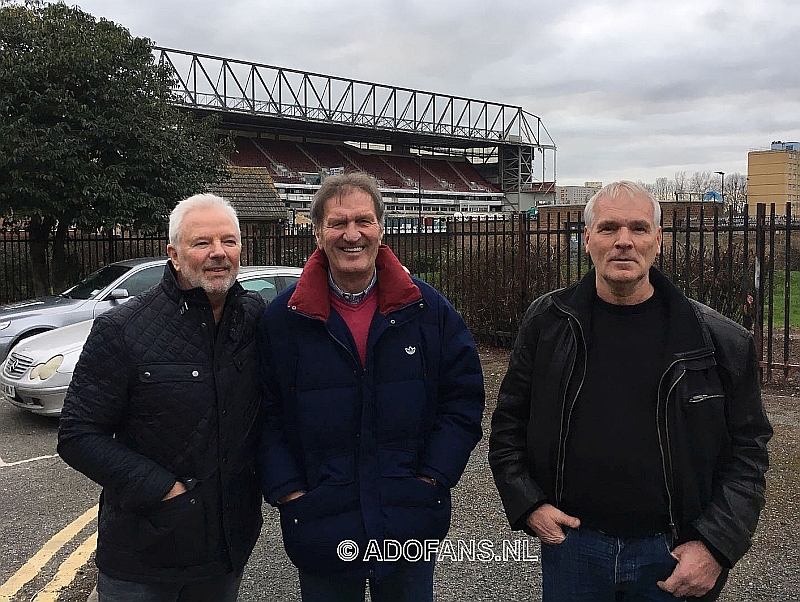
column 758, row 282
column 252, row 235
column 787, row 281
column 524, row 246
column 112, row 246
column 769, row 280
column 280, row 231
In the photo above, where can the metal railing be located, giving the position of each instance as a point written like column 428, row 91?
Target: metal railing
column 491, row 269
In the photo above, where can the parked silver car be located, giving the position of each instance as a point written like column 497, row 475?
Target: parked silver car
column 97, row 293
column 37, row 372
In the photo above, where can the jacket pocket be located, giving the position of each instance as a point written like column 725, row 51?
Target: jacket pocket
column 160, row 392
column 701, row 397
column 707, row 405
column 701, row 439
column 414, row 509
column 173, row 533
column 702, row 411
column 315, row 524
column 700, row 391
column 169, row 373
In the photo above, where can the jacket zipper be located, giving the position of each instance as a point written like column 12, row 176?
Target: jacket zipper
column 345, row 347
column 562, row 448
column 667, row 455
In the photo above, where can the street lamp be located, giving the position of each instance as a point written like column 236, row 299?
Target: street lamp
column 722, row 185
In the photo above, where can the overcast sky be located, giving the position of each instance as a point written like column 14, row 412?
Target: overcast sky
column 633, row 89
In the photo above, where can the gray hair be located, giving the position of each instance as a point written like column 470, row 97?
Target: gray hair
column 199, row 201
column 617, row 189
column 338, row 186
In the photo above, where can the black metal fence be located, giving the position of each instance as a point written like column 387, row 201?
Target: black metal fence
column 744, row 266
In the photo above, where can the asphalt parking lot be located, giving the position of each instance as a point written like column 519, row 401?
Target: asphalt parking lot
column 42, row 496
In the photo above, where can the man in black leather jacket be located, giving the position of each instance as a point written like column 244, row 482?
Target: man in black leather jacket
column 163, row 413
column 629, row 433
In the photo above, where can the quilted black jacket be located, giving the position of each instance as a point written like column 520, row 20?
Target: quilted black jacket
column 160, row 394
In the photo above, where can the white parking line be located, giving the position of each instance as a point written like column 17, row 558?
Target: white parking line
column 3, row 463
column 32, row 568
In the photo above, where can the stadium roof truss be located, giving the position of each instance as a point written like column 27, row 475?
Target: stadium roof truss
column 263, row 97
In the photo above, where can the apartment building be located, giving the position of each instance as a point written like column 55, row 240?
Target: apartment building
column 773, row 176
column 576, row 195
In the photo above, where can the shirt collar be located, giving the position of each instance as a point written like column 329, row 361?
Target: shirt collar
column 352, row 297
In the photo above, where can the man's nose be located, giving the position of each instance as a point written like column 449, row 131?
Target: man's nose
column 217, row 249
column 351, row 232
column 624, row 238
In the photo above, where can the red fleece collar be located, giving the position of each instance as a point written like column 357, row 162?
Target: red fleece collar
column 395, row 287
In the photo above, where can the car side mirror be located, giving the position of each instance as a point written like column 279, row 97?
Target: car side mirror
column 119, row 293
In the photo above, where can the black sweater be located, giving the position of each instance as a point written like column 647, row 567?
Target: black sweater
column 613, row 476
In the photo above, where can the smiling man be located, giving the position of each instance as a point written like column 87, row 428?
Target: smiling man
column 162, row 412
column 206, row 254
column 629, row 434
column 373, row 403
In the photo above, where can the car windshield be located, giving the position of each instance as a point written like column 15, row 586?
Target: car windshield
column 89, row 287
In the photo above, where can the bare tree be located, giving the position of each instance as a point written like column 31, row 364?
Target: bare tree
column 680, row 184
column 736, row 191
column 700, row 183
column 663, row 189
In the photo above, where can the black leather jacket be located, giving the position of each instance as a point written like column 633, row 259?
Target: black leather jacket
column 160, row 394
column 712, row 427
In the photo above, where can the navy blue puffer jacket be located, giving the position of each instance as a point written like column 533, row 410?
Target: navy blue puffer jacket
column 358, row 439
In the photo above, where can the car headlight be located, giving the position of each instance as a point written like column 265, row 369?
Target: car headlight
column 46, row 370
column 5, row 324
column 68, row 365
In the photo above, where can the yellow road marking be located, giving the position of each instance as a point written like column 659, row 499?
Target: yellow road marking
column 31, row 568
column 67, row 571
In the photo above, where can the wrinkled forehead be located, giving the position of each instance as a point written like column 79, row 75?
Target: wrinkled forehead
column 624, row 207
column 350, row 201
column 207, row 221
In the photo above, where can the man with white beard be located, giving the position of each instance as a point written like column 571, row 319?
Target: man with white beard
column 163, row 413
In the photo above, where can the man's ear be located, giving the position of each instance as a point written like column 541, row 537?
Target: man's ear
column 173, row 256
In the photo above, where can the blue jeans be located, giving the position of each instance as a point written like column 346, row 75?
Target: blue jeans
column 589, row 566
column 224, row 588
column 409, row 582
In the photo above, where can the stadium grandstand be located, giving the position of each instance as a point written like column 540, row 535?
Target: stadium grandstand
column 431, row 153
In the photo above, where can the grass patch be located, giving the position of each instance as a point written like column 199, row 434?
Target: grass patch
column 778, row 300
